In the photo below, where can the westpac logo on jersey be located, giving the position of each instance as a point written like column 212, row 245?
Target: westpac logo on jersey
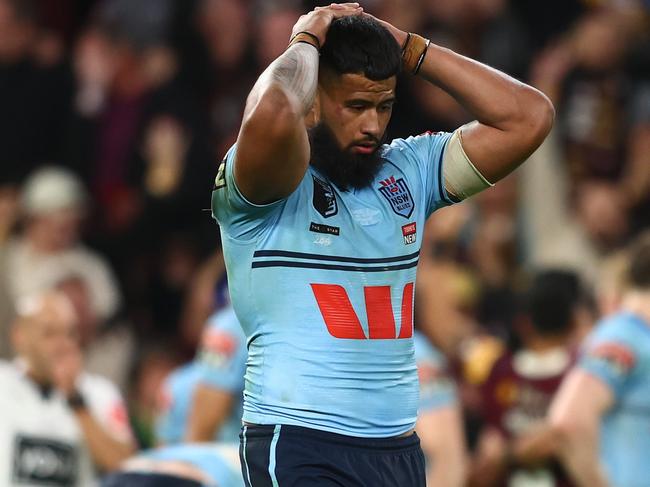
column 398, row 195
column 342, row 321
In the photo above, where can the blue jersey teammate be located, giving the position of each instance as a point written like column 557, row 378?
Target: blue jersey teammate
column 215, row 379
column 185, row 465
column 321, row 228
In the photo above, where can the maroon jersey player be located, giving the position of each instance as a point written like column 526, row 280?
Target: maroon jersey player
column 522, row 382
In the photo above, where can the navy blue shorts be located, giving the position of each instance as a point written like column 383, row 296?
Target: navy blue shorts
column 292, row 456
column 136, row 479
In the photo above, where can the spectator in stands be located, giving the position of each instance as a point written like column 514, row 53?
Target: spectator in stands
column 54, row 203
column 48, row 249
column 275, row 21
column 35, row 91
column 589, row 183
column 58, row 424
column 140, row 140
column 225, row 30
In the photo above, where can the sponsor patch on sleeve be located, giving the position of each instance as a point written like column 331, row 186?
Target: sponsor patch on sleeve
column 617, row 356
column 217, row 348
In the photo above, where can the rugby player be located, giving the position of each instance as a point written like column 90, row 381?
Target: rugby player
column 598, row 421
column 202, row 401
column 522, row 382
column 321, row 227
column 440, row 421
column 186, row 465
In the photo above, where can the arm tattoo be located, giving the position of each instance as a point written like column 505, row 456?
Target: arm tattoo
column 297, row 71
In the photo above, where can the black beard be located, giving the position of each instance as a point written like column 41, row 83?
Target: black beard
column 342, row 167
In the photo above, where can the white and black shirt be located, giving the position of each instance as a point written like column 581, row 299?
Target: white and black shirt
column 41, row 443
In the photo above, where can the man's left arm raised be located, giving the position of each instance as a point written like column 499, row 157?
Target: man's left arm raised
column 512, row 118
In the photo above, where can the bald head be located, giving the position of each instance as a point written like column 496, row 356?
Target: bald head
column 51, row 305
column 45, row 330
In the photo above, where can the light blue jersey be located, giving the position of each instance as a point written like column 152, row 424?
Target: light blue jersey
column 618, row 353
column 323, row 284
column 220, row 363
column 215, row 462
column 437, row 389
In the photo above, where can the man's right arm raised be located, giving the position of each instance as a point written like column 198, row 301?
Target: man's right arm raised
column 272, row 146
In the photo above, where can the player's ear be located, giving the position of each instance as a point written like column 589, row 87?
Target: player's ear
column 313, row 116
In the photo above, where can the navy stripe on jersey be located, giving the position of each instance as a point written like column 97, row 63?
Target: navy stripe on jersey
column 335, row 258
column 332, row 267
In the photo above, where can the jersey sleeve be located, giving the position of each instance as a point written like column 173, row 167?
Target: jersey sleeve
column 610, row 355
column 424, row 154
column 222, row 359
column 240, row 218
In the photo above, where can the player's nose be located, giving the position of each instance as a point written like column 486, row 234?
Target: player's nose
column 370, row 123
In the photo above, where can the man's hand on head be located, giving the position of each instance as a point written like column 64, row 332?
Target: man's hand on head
column 317, row 22
column 399, row 35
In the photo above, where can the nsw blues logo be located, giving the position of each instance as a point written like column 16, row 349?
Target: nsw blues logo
column 398, row 195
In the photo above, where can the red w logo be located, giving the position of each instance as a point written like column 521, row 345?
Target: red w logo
column 342, row 321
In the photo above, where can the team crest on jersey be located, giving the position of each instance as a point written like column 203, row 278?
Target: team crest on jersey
column 324, row 198
column 398, row 195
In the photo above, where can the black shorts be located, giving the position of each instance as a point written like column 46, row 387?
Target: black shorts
column 136, row 479
column 292, row 456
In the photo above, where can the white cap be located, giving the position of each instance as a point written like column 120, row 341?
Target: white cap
column 50, row 189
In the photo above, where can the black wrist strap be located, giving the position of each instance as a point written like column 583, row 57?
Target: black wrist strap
column 422, row 56
column 406, row 42
column 309, row 34
column 76, row 401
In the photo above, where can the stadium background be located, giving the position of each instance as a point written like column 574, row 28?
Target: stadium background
column 141, row 98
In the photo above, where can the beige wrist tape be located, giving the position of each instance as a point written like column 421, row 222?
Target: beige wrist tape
column 414, row 52
column 462, row 179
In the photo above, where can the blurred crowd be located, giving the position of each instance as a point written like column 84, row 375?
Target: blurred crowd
column 115, row 113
